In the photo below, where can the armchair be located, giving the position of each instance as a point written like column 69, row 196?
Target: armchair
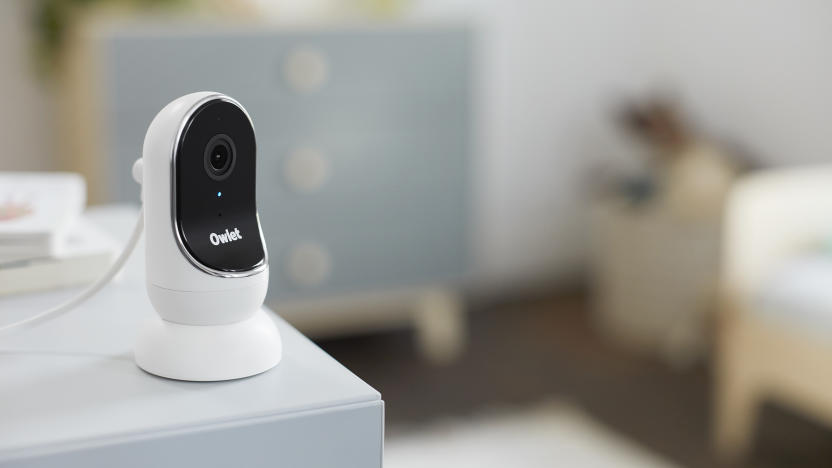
column 774, row 330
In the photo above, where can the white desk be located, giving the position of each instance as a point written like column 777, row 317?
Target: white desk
column 71, row 396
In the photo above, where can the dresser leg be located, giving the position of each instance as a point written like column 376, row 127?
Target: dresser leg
column 441, row 325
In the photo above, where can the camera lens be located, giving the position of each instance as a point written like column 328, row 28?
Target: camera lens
column 219, row 157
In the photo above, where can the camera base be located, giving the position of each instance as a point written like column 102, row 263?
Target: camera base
column 206, row 353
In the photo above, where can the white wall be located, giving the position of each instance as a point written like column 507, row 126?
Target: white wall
column 761, row 71
column 549, row 74
column 758, row 72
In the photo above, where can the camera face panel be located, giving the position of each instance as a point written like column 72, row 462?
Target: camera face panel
column 214, row 172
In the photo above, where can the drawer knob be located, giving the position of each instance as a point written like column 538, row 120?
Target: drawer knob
column 307, row 69
column 306, row 170
column 309, row 264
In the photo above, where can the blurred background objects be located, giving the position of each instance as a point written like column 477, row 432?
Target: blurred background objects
column 549, row 232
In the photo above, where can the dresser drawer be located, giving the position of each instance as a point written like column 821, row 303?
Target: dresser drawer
column 350, row 258
column 258, row 64
column 365, row 177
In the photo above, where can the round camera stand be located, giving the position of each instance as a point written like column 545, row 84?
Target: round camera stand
column 209, row 352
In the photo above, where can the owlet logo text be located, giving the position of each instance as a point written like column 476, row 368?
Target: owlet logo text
column 227, row 236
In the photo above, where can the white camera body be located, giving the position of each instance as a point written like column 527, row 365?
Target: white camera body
column 206, row 261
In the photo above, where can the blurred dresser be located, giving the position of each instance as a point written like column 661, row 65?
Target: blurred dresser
column 363, row 154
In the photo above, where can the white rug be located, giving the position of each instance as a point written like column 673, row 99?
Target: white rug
column 548, row 435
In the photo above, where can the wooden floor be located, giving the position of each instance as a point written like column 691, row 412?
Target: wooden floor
column 523, row 352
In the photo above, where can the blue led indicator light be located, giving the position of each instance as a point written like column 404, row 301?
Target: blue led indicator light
column 219, row 194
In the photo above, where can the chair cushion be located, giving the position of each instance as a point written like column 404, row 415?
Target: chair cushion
column 799, row 293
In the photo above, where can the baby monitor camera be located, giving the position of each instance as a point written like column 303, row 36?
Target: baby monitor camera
column 207, row 263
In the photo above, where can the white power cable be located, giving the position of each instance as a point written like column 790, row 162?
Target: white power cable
column 86, row 293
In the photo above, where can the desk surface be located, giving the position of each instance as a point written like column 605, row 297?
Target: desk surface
column 72, row 381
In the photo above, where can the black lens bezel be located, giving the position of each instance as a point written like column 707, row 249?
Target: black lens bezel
column 228, row 168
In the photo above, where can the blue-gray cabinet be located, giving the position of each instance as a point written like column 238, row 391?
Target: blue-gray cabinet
column 364, row 141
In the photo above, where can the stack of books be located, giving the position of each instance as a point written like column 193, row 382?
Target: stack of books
column 44, row 241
